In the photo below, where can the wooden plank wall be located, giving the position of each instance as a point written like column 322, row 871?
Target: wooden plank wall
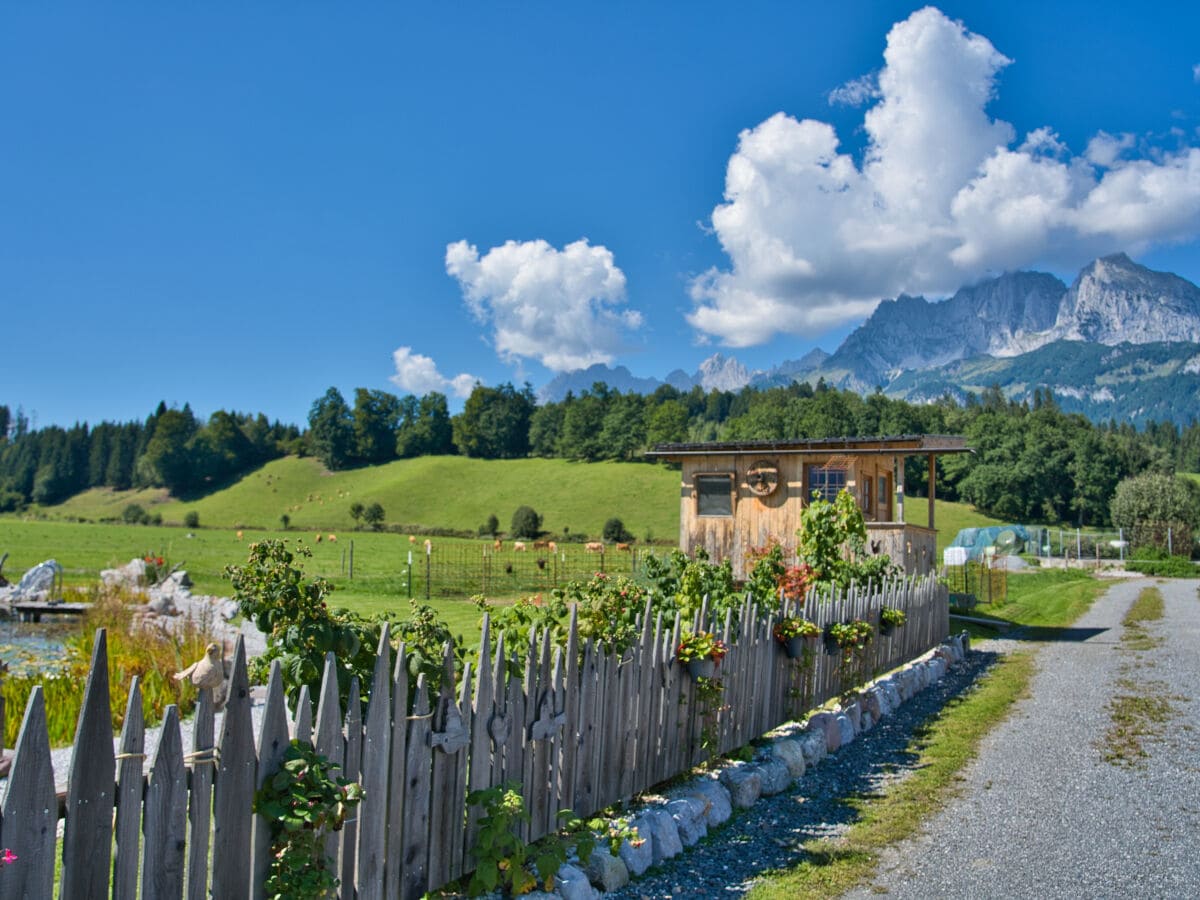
column 582, row 728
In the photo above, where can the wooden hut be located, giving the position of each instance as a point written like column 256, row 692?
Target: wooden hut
column 739, row 495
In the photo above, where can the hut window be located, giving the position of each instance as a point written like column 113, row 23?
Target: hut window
column 826, row 481
column 714, row 495
column 885, row 498
column 868, row 496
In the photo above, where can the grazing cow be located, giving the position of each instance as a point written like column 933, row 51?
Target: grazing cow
column 622, row 546
column 497, row 544
column 540, row 545
column 318, row 539
column 239, row 535
column 594, row 547
column 551, row 546
column 412, row 539
column 333, row 539
column 519, row 546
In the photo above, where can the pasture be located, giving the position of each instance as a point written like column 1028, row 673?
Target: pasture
column 443, row 492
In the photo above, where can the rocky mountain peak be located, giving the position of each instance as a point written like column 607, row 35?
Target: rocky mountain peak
column 1114, row 300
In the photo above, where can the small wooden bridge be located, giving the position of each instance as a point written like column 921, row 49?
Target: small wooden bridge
column 32, row 611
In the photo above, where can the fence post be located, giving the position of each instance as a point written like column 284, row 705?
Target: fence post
column 409, row 574
column 428, row 566
column 1121, row 542
column 351, row 560
column 1170, row 543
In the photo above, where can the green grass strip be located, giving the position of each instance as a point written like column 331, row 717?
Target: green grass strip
column 944, row 747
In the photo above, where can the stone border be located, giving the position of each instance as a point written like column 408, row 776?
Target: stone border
column 670, row 824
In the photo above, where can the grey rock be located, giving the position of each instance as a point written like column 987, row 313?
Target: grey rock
column 813, row 745
column 744, row 784
column 892, row 694
column 606, row 871
column 873, row 699
column 690, row 815
column 846, row 728
column 38, row 580
column 791, row 753
column 718, row 806
column 659, row 828
column 640, row 858
column 774, row 776
column 572, row 883
column 854, row 713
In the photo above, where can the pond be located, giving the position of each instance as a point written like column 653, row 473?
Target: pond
column 29, row 648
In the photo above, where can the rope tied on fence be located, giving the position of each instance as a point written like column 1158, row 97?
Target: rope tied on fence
column 210, row 755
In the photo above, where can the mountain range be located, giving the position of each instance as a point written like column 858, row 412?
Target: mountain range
column 1122, row 341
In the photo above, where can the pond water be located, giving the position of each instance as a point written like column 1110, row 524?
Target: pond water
column 29, row 648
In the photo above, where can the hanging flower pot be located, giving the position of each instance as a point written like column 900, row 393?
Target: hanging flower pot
column 701, row 668
column 831, row 642
column 796, row 634
column 890, row 619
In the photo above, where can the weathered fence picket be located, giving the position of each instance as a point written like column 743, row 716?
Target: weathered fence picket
column 577, row 725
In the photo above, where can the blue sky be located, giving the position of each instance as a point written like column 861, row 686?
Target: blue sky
column 239, row 207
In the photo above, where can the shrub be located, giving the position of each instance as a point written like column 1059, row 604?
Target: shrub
column 1171, row 567
column 134, row 514
column 615, row 532
column 526, row 523
column 11, row 501
column 374, row 515
column 191, row 519
column 1150, row 506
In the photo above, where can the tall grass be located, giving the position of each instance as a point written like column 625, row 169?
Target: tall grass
column 153, row 653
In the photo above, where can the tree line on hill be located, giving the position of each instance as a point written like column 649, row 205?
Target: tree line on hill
column 1032, row 461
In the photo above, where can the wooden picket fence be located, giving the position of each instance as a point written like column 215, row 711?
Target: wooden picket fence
column 583, row 729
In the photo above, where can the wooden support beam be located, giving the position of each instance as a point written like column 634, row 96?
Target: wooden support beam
column 932, row 485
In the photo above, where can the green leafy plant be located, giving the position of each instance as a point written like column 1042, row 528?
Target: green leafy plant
column 852, row 636
column 300, row 627
column 425, row 636
column 608, row 609
column 793, row 627
column 890, row 617
column 832, row 542
column 700, row 645
column 505, row 862
column 303, row 802
column 684, row 583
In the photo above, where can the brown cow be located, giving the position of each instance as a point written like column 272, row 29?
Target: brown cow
column 540, row 545
column 497, row 544
column 239, row 535
column 333, row 539
column 518, row 546
column 318, row 539
column 551, row 546
column 594, row 547
column 622, row 546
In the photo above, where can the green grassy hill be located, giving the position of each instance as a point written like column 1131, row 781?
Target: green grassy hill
column 429, row 492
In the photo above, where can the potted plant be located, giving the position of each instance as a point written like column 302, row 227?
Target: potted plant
column 700, row 651
column 890, row 619
column 795, row 633
column 851, row 636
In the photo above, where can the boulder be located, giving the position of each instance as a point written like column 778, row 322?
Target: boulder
column 744, row 784
column 717, row 805
column 162, row 604
column 774, row 776
column 38, row 581
column 846, row 729
column 873, row 700
column 572, row 883
column 868, row 721
column 791, row 754
column 659, row 827
column 637, row 858
column 690, row 815
column 606, row 871
column 813, row 745
column 853, row 712
column 893, row 695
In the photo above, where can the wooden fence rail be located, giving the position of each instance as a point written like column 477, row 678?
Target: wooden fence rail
column 580, row 729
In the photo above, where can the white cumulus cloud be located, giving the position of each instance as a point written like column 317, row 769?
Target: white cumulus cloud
column 943, row 194
column 418, row 375
column 560, row 307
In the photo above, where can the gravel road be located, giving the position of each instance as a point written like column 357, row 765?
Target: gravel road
column 1044, row 815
